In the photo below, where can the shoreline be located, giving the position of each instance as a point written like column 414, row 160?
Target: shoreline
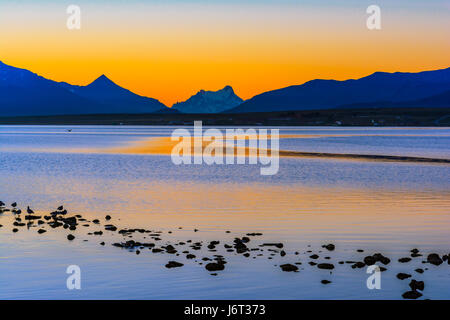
column 371, row 117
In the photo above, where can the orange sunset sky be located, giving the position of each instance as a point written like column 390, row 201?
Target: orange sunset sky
column 169, row 50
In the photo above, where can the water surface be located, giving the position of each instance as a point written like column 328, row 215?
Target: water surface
column 383, row 207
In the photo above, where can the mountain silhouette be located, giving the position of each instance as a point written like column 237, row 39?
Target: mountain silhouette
column 327, row 94
column 209, row 101
column 103, row 90
column 23, row 92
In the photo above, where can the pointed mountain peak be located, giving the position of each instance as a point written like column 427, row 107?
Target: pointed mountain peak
column 102, row 81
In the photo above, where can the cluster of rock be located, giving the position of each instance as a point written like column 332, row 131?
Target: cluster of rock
column 245, row 246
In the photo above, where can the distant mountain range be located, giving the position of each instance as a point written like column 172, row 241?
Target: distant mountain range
column 441, row 100
column 24, row 93
column 209, row 101
column 387, row 88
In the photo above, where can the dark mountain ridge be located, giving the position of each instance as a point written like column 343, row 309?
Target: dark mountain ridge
column 24, row 93
column 326, row 94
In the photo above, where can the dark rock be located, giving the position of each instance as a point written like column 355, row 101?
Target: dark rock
column 240, row 247
column 379, row 257
column 417, row 285
column 404, row 260
column 32, row 217
column 71, row 221
column 327, row 266
column 403, row 276
column 419, row 270
column 411, row 295
column 70, row 237
column 110, row 227
column 329, row 247
column 359, row 265
column 40, row 231
column 325, row 281
column 278, row 245
column 55, row 224
column 289, row 267
column 212, row 266
column 174, row 264
column 108, row 217
column 434, row 258
column 370, row 260
column 314, row 256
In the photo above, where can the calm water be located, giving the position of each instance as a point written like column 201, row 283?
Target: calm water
column 383, row 207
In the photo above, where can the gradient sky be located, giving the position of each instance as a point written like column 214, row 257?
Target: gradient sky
column 169, row 50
